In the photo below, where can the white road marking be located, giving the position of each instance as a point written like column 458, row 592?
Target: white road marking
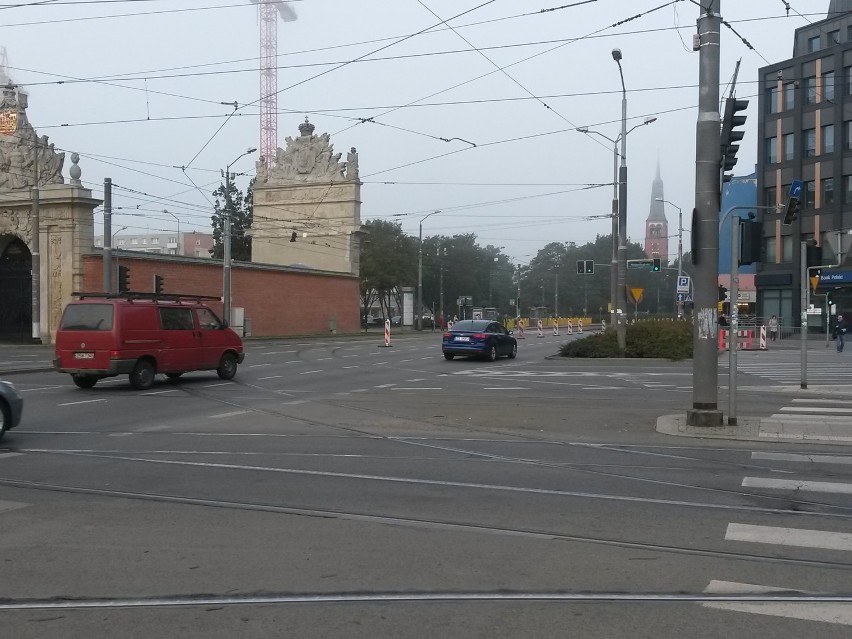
column 793, row 484
column 824, row 612
column 220, row 384
column 294, row 361
column 498, row 388
column 10, row 505
column 430, row 357
column 419, row 379
column 789, row 537
column 258, row 365
column 231, row 414
column 379, row 363
column 7, row 455
column 402, row 361
column 355, row 366
column 309, row 372
column 798, row 457
column 296, row 401
column 270, row 377
column 360, row 390
column 814, row 409
column 384, row 385
column 30, row 390
column 87, row 401
column 409, row 388
column 163, row 392
column 322, row 359
column 822, row 401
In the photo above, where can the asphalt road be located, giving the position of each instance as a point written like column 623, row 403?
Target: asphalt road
column 340, row 489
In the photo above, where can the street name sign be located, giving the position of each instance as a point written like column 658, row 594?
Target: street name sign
column 644, row 265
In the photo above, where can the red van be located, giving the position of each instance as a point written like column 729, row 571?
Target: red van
column 142, row 335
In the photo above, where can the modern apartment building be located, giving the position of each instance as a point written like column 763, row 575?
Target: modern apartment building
column 805, row 133
column 192, row 244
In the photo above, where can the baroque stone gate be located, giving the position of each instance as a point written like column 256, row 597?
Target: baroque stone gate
column 65, row 224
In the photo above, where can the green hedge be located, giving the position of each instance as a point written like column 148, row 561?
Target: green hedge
column 649, row 338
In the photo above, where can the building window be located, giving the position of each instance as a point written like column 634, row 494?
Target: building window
column 828, row 85
column 788, row 146
column 198, row 242
column 808, row 194
column 847, row 189
column 847, row 135
column 155, row 240
column 810, row 90
column 770, row 195
column 197, row 252
column 847, row 74
column 813, row 44
column 772, row 150
column 134, row 241
column 787, row 248
column 121, row 242
column 172, row 240
column 810, row 142
column 97, row 242
column 790, row 95
column 772, row 99
column 833, row 37
column 827, row 192
column 145, row 240
column 828, row 138
column 769, row 249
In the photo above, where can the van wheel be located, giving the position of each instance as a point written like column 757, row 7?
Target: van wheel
column 84, row 381
column 173, row 376
column 142, row 376
column 227, row 366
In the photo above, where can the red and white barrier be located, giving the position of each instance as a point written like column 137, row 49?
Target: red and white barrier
column 556, row 328
column 570, row 327
column 579, row 326
column 450, row 325
column 521, row 329
column 387, row 332
column 763, row 338
column 540, row 334
column 743, row 343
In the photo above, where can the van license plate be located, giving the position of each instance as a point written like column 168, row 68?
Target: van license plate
column 84, row 356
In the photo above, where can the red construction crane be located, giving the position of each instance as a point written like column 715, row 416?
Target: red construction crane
column 269, row 11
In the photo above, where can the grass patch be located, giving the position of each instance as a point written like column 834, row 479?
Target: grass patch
column 660, row 339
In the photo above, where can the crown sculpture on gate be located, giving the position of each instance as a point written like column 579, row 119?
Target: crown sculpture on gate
column 308, row 158
column 26, row 160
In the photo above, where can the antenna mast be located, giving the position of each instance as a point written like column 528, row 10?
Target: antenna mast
column 268, row 14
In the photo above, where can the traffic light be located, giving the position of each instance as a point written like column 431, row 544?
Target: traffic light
column 123, row 279
column 751, row 239
column 813, row 255
column 590, row 267
column 791, row 209
column 723, row 293
column 657, row 265
column 730, row 136
column 158, row 284
column 581, row 267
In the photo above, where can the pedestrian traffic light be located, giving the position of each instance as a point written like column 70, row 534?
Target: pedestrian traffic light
column 791, row 209
column 590, row 267
column 723, row 293
column 581, row 267
column 158, row 284
column 123, row 279
column 730, row 136
column 657, row 265
column 751, row 241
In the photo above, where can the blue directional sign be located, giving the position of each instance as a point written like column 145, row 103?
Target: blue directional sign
column 835, row 277
column 796, row 189
column 684, row 297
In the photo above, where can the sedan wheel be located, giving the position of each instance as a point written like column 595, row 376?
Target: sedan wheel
column 514, row 352
column 492, row 354
column 142, row 376
column 5, row 418
column 448, row 356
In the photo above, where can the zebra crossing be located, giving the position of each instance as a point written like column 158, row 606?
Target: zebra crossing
column 824, row 366
column 802, row 479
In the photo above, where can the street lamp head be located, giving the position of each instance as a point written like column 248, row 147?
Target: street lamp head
column 616, row 55
column 251, row 149
column 583, row 129
column 648, row 120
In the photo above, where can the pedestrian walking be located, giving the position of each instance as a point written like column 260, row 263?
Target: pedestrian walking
column 773, row 328
column 840, row 332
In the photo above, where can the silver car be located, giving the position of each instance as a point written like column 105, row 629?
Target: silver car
column 11, row 407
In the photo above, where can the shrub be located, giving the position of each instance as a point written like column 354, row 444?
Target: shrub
column 650, row 338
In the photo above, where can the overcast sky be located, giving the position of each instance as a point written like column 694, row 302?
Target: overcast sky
column 525, row 183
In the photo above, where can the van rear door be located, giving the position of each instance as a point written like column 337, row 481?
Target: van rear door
column 86, row 335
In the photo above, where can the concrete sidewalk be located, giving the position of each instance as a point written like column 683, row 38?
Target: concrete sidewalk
column 792, row 430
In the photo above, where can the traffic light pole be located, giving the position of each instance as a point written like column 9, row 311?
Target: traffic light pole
column 705, row 364
column 803, row 331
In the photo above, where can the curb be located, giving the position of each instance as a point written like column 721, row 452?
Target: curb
column 750, row 429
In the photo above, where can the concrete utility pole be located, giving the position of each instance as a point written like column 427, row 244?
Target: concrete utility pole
column 35, row 264
column 418, row 312
column 705, row 365
column 226, row 242
column 621, row 317
column 108, row 288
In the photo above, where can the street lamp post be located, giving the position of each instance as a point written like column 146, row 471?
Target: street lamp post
column 442, row 252
column 613, row 273
column 418, row 313
column 679, row 249
column 226, row 242
column 177, row 219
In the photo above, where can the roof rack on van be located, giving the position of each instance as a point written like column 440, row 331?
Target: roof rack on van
column 132, row 295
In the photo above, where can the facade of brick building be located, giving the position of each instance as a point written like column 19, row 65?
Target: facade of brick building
column 278, row 300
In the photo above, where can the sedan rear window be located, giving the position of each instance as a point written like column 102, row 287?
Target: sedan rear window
column 470, row 325
column 87, row 317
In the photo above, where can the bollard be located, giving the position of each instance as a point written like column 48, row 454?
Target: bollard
column 540, row 334
column 521, row 329
column 556, row 328
column 387, row 343
column 570, row 327
column 763, row 338
column 580, row 326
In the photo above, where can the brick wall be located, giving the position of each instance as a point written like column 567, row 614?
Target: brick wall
column 278, row 300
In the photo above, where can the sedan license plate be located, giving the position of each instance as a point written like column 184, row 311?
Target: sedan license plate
column 84, row 356
column 462, row 339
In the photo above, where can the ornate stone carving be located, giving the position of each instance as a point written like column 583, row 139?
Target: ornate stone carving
column 308, row 158
column 352, row 164
column 17, row 223
column 22, row 152
column 55, row 281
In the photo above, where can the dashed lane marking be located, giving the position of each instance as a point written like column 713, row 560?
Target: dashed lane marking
column 798, row 485
column 85, row 401
column 798, row 457
column 798, row 537
column 309, row 372
column 270, row 377
column 231, row 414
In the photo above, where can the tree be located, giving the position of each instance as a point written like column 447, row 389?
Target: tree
column 242, row 216
column 388, row 262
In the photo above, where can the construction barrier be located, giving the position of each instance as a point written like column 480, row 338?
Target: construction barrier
column 521, row 329
column 387, row 332
column 570, row 327
column 603, row 325
column 540, row 334
column 744, row 340
column 556, row 328
column 450, row 325
column 763, row 338
column 579, row 326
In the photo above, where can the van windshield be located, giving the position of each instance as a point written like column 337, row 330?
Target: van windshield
column 87, row 317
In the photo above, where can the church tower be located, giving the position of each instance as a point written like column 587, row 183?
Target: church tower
column 657, row 226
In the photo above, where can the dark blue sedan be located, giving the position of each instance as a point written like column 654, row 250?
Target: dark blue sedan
column 11, row 406
column 479, row 338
